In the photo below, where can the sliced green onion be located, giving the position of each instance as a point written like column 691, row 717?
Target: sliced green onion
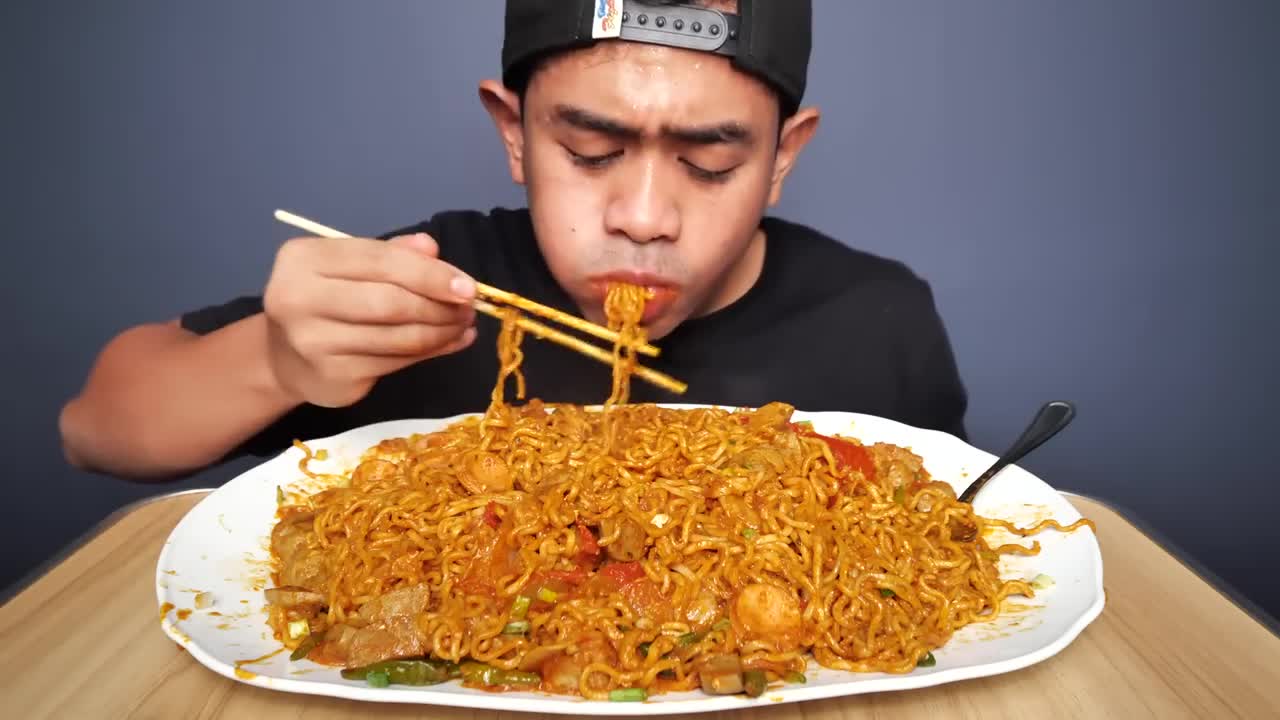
column 722, row 624
column 279, row 495
column 688, row 639
column 378, row 679
column 795, row 677
column 520, row 607
column 927, row 661
column 548, row 595
column 886, row 592
column 643, row 649
column 754, row 682
column 519, row 627
column 299, row 628
column 628, row 695
column 749, row 533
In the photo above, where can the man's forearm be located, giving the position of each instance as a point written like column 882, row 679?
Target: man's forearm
column 162, row 402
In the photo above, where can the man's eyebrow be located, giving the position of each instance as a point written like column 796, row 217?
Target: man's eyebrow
column 729, row 133
column 732, row 133
column 587, row 120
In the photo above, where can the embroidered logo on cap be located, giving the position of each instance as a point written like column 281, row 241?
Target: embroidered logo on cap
column 607, row 22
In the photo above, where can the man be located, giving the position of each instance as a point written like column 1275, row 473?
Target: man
column 651, row 139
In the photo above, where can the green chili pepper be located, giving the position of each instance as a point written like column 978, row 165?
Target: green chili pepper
column 488, row 675
column 403, row 672
column 378, row 679
column 304, row 648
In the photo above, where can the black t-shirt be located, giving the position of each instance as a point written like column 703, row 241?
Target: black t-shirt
column 825, row 327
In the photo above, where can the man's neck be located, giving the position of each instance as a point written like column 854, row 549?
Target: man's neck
column 739, row 278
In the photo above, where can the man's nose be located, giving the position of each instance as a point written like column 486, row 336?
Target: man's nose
column 643, row 205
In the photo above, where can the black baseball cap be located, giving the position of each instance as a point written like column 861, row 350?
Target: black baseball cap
column 770, row 39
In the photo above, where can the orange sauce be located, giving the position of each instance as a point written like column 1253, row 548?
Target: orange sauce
column 184, row 613
column 164, row 609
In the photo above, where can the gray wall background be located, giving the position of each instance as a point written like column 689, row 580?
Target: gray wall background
column 1091, row 186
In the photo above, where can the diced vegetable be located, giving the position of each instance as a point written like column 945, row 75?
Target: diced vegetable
column 517, row 627
column 291, row 596
column 795, row 677
column 520, row 607
column 643, row 649
column 548, row 595
column 749, row 533
column 1042, row 581
column 722, row 624
column 628, row 695
column 279, row 495
column 927, row 661
column 754, row 682
column 298, row 629
column 491, row 515
column 721, row 675
column 886, row 592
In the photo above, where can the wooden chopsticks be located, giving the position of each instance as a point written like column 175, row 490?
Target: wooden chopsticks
column 532, row 327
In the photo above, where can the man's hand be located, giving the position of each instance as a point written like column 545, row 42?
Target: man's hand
column 343, row 312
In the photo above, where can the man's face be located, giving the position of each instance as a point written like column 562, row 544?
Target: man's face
column 650, row 165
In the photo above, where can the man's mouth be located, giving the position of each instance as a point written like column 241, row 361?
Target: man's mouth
column 663, row 292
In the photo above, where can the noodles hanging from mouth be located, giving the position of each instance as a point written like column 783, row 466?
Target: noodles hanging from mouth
column 636, row 550
column 623, row 309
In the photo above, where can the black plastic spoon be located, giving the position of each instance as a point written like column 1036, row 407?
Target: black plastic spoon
column 1048, row 422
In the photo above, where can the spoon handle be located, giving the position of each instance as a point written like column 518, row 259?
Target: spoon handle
column 1051, row 419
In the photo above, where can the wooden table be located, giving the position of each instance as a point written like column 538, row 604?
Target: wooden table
column 84, row 641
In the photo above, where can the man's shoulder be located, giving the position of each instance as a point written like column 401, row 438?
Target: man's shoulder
column 470, row 226
column 811, row 259
column 497, row 245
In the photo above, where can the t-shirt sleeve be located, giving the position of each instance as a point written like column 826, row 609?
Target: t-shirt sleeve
column 214, row 317
column 936, row 397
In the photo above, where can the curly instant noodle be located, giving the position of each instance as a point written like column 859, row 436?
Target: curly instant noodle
column 619, row 552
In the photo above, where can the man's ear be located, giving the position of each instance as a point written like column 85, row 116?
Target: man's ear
column 503, row 105
column 796, row 133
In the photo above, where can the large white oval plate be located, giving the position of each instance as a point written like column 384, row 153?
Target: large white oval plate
column 220, row 548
